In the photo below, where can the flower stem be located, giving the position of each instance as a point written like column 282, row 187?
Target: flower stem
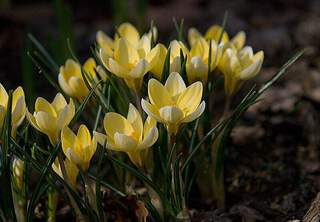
column 52, row 204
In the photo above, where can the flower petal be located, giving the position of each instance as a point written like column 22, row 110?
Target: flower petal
column 190, row 98
column 135, row 119
column 68, row 139
column 151, row 110
column 125, row 53
column 124, row 143
column 171, row 114
column 59, row 102
column 3, row 96
column 84, row 136
column 158, row 94
column 175, row 85
column 44, row 106
column 115, row 68
column 149, row 139
column 140, row 69
column 115, row 123
column 65, row 116
column 196, row 113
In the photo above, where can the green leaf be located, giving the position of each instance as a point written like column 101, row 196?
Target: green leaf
column 44, row 53
column 166, row 66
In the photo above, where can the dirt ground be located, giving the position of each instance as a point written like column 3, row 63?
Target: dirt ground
column 272, row 166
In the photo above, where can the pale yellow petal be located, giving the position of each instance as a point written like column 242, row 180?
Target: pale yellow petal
column 198, row 112
column 65, row 116
column 115, row 68
column 190, row 98
column 125, row 53
column 156, row 58
column 84, row 136
column 89, row 67
column 124, row 142
column 59, row 102
column 68, row 139
column 135, row 120
column 64, row 85
column 3, row 96
column 197, row 70
column 175, row 85
column 44, row 106
column 239, row 40
column 148, row 125
column 129, row 32
column 100, row 138
column 151, row 110
column 144, row 46
column 214, row 32
column 114, row 122
column 193, row 35
column 19, row 112
column 140, row 69
column 158, row 94
column 32, row 120
column 149, row 139
column 171, row 114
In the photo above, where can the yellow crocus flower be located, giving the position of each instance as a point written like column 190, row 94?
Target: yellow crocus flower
column 197, row 63
column 50, row 118
column 238, row 66
column 173, row 103
column 72, row 171
column 129, row 134
column 71, row 80
column 213, row 33
column 18, row 108
column 78, row 148
column 175, row 57
column 159, row 53
column 125, row 30
column 130, row 62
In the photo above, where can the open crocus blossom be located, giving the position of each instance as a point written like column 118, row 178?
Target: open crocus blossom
column 173, row 103
column 78, row 148
column 125, row 30
column 129, row 134
column 18, row 108
column 197, row 65
column 130, row 62
column 238, row 66
column 72, row 171
column 214, row 33
column 50, row 118
column 71, row 79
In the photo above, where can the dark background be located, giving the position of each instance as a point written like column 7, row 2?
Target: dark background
column 273, row 166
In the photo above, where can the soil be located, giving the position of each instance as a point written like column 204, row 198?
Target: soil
column 273, row 161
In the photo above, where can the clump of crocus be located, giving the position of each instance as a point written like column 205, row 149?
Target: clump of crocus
column 238, row 66
column 18, row 108
column 71, row 80
column 78, row 148
column 129, row 134
column 50, row 118
column 197, row 65
column 173, row 103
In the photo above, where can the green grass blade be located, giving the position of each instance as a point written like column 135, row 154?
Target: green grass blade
column 43, row 51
